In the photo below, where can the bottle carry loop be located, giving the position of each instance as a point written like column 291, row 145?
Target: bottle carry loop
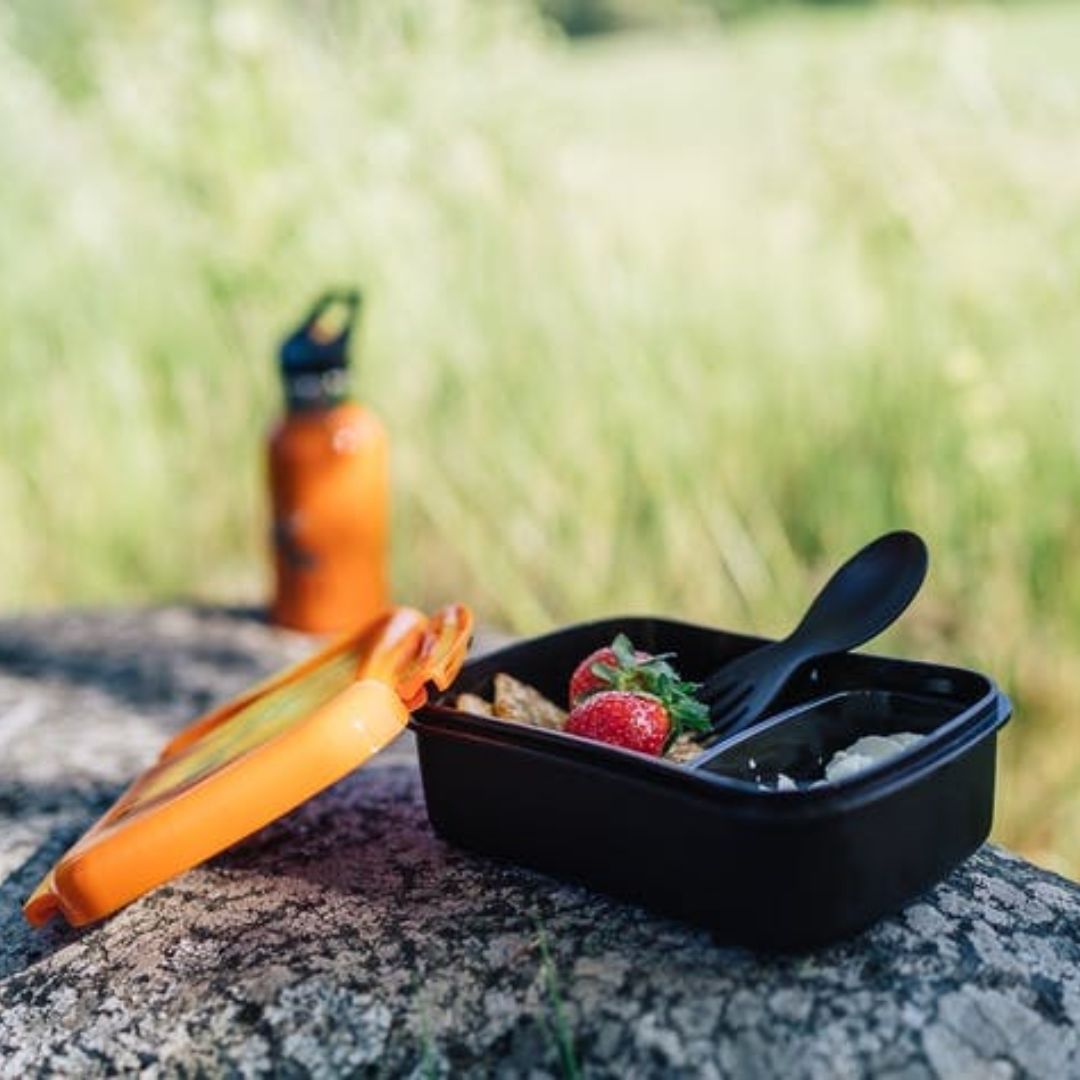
column 315, row 356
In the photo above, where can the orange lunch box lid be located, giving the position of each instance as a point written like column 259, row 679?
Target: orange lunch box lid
column 257, row 757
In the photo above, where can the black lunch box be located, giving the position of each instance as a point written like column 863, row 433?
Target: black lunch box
column 706, row 841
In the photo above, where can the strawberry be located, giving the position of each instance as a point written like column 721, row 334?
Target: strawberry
column 609, row 668
column 643, row 704
column 634, row 721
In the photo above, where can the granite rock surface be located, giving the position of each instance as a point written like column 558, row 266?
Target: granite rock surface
column 346, row 939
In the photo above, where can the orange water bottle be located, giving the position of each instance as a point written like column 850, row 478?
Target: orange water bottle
column 329, row 482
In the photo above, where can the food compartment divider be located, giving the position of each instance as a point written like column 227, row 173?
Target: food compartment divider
column 801, row 741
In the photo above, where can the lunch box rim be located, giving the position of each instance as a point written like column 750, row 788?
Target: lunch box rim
column 959, row 733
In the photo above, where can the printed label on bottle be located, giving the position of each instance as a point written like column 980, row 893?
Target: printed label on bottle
column 287, row 542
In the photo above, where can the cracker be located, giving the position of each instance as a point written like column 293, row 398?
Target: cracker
column 473, row 703
column 516, row 701
column 684, row 749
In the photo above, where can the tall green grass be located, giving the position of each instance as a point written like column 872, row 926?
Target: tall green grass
column 656, row 324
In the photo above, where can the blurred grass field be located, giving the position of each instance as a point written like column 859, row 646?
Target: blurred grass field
column 663, row 321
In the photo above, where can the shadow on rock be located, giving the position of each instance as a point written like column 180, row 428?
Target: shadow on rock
column 149, row 659
column 368, row 839
column 73, row 810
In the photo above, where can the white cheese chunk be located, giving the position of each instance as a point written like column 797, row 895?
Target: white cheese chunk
column 867, row 751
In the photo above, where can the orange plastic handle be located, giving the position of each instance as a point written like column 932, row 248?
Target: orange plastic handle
column 440, row 656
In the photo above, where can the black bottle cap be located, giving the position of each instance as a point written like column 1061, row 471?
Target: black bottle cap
column 315, row 356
